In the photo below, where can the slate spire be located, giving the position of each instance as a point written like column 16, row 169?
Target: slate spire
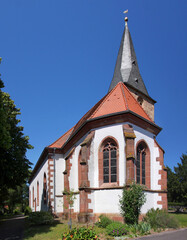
column 126, row 69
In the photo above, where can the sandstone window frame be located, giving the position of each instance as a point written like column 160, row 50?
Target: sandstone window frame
column 142, row 164
column 37, row 193
column 112, row 144
column 33, row 196
column 45, row 188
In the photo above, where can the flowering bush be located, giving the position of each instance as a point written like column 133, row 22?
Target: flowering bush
column 80, row 233
column 117, row 229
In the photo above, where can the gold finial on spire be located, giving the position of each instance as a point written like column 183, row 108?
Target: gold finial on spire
column 126, row 18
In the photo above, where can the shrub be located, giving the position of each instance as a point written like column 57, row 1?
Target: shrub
column 116, row 229
column 160, row 219
column 131, row 202
column 80, row 233
column 27, row 210
column 16, row 211
column 144, row 228
column 176, row 204
column 40, row 218
column 103, row 221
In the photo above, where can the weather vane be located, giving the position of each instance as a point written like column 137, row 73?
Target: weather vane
column 126, row 18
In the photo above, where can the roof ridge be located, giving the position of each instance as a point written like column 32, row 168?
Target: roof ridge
column 137, row 102
column 123, row 94
column 104, row 100
column 86, row 116
column 62, row 136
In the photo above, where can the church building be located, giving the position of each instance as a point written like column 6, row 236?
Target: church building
column 112, row 145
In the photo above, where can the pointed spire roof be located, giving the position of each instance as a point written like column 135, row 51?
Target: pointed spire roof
column 126, row 69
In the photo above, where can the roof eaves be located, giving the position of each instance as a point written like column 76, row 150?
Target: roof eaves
column 159, row 145
column 109, row 115
column 40, row 160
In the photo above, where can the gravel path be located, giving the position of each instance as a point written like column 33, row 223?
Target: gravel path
column 12, row 229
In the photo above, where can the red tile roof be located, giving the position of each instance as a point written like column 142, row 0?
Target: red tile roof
column 60, row 142
column 119, row 99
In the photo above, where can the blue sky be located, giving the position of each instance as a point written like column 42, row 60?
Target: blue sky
column 59, row 57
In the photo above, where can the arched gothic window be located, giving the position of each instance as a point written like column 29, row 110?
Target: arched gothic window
column 142, row 164
column 37, row 193
column 45, row 189
column 79, row 169
column 108, row 162
column 33, row 196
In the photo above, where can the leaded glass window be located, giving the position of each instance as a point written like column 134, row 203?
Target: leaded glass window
column 138, row 168
column 140, row 164
column 109, row 162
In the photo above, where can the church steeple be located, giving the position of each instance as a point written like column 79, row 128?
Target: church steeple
column 126, row 69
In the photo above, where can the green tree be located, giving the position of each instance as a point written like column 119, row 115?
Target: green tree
column 17, row 198
column 181, row 172
column 173, row 186
column 14, row 166
column 177, row 182
column 131, row 202
column 70, row 196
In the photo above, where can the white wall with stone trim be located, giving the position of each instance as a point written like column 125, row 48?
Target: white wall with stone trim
column 76, row 206
column 151, row 202
column 73, row 178
column 155, row 170
column 148, row 137
column 116, row 132
column 101, row 200
column 39, row 178
column 59, row 182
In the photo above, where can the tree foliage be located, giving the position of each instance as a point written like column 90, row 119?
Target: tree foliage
column 131, row 202
column 177, row 182
column 14, row 165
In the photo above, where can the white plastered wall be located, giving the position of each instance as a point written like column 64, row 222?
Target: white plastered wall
column 39, row 178
column 59, row 182
column 73, row 178
column 102, row 200
column 148, row 137
column 106, row 201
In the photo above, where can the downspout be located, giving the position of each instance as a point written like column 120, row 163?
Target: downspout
column 54, row 180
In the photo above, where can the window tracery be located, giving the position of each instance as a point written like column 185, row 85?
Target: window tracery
column 142, row 164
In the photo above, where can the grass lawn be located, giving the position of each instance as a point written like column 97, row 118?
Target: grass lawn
column 182, row 218
column 55, row 231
